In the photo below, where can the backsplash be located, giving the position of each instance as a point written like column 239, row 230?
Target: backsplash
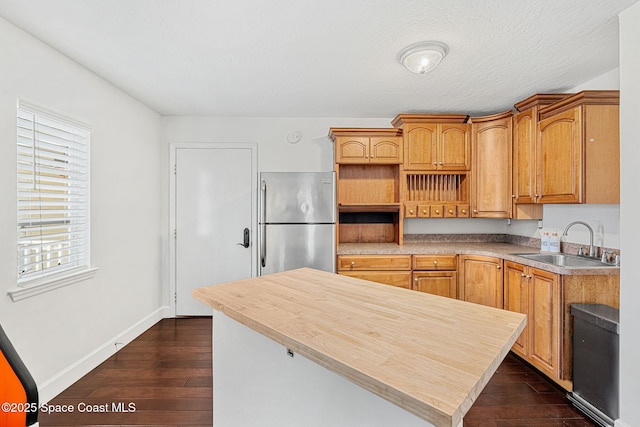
column 534, row 243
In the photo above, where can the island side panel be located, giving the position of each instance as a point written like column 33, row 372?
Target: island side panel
column 256, row 382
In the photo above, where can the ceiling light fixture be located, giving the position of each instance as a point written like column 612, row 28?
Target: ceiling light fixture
column 422, row 57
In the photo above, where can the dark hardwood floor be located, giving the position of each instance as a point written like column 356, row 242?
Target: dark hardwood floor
column 166, row 374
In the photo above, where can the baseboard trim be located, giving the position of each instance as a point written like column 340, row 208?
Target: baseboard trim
column 62, row 380
column 620, row 423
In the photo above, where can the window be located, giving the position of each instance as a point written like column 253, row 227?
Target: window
column 53, row 194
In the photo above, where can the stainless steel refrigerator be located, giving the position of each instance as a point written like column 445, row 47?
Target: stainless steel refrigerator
column 297, row 221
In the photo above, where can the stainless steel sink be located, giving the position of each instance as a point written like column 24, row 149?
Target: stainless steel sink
column 566, row 261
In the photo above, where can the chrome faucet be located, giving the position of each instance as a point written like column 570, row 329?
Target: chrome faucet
column 592, row 249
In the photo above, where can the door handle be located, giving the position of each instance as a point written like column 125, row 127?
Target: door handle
column 263, row 227
column 245, row 239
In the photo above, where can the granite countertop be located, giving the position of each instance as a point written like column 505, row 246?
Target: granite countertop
column 502, row 250
column 427, row 354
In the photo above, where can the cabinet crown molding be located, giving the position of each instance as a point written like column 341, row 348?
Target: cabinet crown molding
column 541, row 100
column 587, row 97
column 498, row 116
column 401, row 119
column 384, row 132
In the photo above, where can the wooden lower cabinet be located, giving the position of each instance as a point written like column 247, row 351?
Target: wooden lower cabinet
column 443, row 283
column 546, row 299
column 401, row 279
column 394, row 270
column 436, row 274
column 536, row 293
column 480, row 280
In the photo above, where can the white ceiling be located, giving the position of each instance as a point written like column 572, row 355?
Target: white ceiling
column 328, row 58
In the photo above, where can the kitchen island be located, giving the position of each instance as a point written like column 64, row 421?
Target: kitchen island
column 306, row 347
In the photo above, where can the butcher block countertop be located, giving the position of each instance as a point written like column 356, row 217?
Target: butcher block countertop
column 427, row 354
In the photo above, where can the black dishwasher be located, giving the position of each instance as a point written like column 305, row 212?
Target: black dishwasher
column 596, row 330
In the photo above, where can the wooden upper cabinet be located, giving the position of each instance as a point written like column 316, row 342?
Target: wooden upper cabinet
column 491, row 166
column 352, row 149
column 524, row 164
column 420, row 142
column 560, row 158
column 454, row 147
column 578, row 149
column 524, row 160
column 361, row 146
column 385, row 149
column 434, row 142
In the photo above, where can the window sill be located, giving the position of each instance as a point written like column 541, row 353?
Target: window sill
column 47, row 284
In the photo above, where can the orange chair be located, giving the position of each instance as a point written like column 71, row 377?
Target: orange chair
column 18, row 390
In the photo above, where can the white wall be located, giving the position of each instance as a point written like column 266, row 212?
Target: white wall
column 63, row 333
column 630, row 225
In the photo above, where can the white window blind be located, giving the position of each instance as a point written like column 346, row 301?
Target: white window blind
column 53, row 193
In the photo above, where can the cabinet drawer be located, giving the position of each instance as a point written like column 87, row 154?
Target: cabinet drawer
column 463, row 210
column 400, row 279
column 410, row 211
column 435, row 262
column 450, row 211
column 374, row 262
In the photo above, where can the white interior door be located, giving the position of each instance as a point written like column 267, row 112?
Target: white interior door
column 214, row 203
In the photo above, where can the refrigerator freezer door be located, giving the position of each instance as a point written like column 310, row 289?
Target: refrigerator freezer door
column 293, row 246
column 297, row 197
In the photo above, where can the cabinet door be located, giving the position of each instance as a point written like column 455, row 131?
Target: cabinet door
column 385, row 150
column 420, row 146
column 454, row 148
column 545, row 321
column 559, row 154
column 443, row 283
column 524, row 160
column 400, row 279
column 352, row 150
column 516, row 298
column 480, row 280
column 491, row 194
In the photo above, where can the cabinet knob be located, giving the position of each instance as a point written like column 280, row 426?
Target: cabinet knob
column 415, row 280
column 353, row 263
column 464, row 211
column 475, row 211
column 411, row 211
column 523, row 275
column 435, row 262
column 424, row 211
column 528, row 276
column 450, row 211
column 513, row 196
column 437, row 211
column 498, row 267
column 435, row 163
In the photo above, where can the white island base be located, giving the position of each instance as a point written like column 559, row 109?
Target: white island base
column 366, row 354
column 258, row 384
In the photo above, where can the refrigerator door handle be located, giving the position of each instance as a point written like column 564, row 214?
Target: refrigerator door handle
column 263, row 226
